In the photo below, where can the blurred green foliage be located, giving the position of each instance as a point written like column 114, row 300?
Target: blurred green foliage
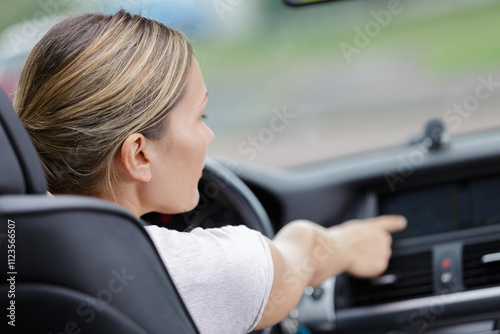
column 464, row 37
column 461, row 38
column 14, row 11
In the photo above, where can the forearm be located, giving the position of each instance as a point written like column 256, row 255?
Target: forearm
column 312, row 252
column 302, row 256
column 305, row 254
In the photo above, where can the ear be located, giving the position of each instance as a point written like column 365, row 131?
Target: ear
column 135, row 159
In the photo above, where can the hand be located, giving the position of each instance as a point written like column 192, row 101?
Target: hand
column 366, row 244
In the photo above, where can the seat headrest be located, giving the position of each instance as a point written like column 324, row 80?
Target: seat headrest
column 20, row 168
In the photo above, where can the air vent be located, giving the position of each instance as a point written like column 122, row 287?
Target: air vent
column 481, row 265
column 407, row 277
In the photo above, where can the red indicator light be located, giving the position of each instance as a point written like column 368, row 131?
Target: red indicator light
column 165, row 219
column 446, row 263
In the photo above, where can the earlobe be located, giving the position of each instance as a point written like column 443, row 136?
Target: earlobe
column 134, row 158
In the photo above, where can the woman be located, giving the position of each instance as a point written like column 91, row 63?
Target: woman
column 114, row 105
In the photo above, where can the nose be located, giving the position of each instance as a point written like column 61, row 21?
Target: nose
column 209, row 135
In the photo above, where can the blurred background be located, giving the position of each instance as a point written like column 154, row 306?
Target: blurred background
column 296, row 86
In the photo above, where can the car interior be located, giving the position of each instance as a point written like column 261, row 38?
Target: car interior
column 444, row 274
column 85, row 264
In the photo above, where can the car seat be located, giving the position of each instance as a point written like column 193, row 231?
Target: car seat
column 73, row 264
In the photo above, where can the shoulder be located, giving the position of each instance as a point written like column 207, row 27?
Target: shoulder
column 203, row 263
column 221, row 235
column 217, row 255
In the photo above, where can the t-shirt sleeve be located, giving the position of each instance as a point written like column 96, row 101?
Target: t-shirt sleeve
column 224, row 275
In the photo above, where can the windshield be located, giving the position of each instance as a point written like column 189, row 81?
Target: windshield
column 296, row 86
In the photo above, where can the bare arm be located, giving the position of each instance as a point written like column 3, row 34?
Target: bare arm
column 305, row 254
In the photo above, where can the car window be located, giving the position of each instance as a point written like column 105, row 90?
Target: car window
column 291, row 87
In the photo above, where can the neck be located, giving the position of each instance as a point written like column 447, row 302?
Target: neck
column 129, row 198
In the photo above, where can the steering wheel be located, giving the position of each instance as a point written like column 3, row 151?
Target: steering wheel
column 219, row 182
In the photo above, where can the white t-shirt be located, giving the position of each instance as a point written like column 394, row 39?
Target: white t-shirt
column 224, row 275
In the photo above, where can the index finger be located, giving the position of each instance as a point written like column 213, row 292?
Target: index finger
column 391, row 223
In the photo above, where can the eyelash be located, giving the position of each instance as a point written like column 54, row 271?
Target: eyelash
column 204, row 117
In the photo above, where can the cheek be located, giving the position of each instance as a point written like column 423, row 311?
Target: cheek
column 183, row 161
column 189, row 159
column 192, row 151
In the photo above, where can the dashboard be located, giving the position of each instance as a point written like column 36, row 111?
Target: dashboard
column 448, row 207
column 444, row 276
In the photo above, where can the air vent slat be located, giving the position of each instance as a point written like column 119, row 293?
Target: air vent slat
column 478, row 274
column 414, row 279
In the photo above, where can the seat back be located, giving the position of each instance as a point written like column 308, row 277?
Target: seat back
column 75, row 264
column 20, row 169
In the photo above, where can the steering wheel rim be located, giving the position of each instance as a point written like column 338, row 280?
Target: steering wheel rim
column 219, row 180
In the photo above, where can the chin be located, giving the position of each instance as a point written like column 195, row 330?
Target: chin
column 195, row 200
column 191, row 203
column 182, row 206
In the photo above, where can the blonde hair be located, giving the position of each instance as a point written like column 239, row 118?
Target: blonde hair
column 91, row 82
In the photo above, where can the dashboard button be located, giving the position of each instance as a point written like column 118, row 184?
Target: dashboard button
column 447, row 268
column 446, row 277
column 446, row 263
